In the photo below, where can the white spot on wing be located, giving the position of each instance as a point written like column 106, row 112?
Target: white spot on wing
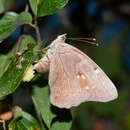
column 78, row 76
column 83, row 77
column 86, row 87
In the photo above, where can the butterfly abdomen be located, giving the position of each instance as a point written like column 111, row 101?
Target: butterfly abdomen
column 43, row 65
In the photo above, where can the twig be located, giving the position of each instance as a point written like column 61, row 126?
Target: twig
column 43, row 50
column 32, row 25
column 18, row 44
column 37, row 31
column 21, row 32
column 3, row 124
column 26, row 8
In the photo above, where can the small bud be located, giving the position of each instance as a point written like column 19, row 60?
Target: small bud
column 29, row 74
column 6, row 115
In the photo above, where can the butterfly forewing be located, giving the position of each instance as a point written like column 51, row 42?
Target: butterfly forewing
column 74, row 78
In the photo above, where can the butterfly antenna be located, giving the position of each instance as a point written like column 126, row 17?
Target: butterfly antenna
column 86, row 40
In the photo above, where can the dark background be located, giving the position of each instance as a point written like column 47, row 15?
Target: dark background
column 109, row 22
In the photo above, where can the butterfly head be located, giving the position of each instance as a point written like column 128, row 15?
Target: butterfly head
column 62, row 37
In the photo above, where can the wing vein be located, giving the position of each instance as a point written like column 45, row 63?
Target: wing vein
column 63, row 66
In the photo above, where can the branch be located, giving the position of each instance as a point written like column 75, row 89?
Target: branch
column 18, row 44
column 37, row 31
column 21, row 32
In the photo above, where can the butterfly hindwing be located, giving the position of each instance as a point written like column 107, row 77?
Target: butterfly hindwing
column 74, row 78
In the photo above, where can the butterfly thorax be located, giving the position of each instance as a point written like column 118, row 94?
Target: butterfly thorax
column 44, row 64
column 54, row 46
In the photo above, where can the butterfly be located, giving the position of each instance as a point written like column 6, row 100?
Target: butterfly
column 74, row 77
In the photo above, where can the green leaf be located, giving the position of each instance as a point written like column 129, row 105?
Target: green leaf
column 13, row 75
column 41, row 101
column 5, row 60
column 11, row 20
column 47, row 7
column 1, row 6
column 24, row 121
column 54, row 118
column 25, row 40
column 62, row 121
column 61, row 125
column 33, row 4
column 23, row 18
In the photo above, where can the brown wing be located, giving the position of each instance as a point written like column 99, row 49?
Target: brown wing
column 74, row 78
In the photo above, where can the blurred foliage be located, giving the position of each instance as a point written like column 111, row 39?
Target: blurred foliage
column 24, row 121
column 1, row 6
column 107, row 21
column 14, row 72
column 43, row 8
column 53, row 117
column 11, row 20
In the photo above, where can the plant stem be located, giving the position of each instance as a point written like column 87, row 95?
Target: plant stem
column 18, row 44
column 21, row 32
column 37, row 31
column 26, row 8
